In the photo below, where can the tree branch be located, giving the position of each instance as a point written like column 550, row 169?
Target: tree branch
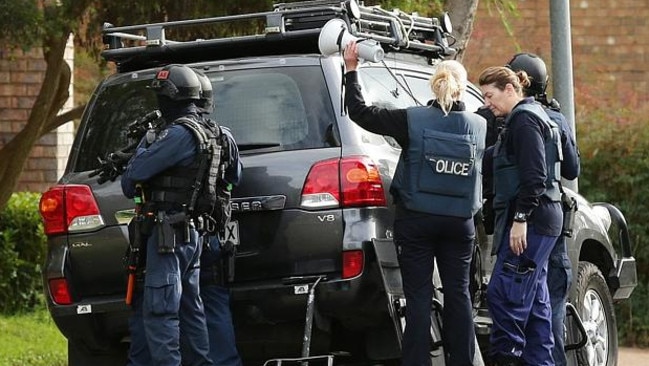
column 72, row 114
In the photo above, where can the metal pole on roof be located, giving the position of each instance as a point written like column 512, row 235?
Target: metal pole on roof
column 562, row 79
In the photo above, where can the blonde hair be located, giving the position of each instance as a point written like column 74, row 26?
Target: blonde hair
column 500, row 76
column 448, row 83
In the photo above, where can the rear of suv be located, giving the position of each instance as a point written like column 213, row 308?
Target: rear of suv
column 314, row 193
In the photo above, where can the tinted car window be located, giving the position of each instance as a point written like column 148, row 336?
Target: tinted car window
column 421, row 89
column 380, row 88
column 282, row 108
column 116, row 105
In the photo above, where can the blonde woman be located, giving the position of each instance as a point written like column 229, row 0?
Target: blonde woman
column 437, row 190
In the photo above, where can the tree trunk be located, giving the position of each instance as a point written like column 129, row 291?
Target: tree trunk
column 15, row 153
column 462, row 15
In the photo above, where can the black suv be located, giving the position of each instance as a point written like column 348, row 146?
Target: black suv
column 313, row 206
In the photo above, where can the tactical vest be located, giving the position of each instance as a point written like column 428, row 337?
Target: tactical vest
column 440, row 172
column 506, row 176
column 197, row 188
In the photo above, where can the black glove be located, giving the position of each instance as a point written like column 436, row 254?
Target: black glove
column 111, row 167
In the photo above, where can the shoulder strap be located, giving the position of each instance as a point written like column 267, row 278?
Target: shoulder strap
column 209, row 157
column 196, row 129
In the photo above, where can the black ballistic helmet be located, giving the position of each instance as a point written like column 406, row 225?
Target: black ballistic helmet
column 206, row 102
column 177, row 82
column 535, row 68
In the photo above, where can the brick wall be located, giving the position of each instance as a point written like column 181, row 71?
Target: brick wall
column 21, row 76
column 610, row 55
column 610, row 45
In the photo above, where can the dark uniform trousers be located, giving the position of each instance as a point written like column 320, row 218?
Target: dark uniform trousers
column 559, row 279
column 216, row 298
column 519, row 302
column 171, row 292
column 420, row 239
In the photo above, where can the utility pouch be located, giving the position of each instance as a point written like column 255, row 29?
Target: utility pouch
column 147, row 222
column 223, row 210
column 228, row 256
column 166, row 234
column 520, row 279
column 569, row 205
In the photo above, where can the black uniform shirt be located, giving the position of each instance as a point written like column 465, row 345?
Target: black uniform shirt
column 526, row 143
column 382, row 121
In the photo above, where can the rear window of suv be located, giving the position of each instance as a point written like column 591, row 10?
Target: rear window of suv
column 276, row 109
column 285, row 108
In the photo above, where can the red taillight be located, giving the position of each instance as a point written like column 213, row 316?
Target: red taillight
column 322, row 187
column 60, row 291
column 353, row 261
column 53, row 211
column 361, row 182
column 69, row 208
column 349, row 182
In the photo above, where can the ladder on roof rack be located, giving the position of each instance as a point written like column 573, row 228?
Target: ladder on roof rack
column 289, row 28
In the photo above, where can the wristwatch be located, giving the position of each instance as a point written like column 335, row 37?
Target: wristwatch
column 520, row 217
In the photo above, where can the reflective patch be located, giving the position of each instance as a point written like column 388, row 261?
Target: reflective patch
column 84, row 309
column 162, row 135
column 449, row 166
column 162, row 75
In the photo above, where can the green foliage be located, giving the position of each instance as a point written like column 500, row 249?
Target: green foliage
column 506, row 9
column 21, row 24
column 22, row 252
column 613, row 140
column 424, row 8
column 633, row 317
column 613, row 144
column 31, row 340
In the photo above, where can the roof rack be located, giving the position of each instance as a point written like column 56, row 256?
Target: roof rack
column 289, row 29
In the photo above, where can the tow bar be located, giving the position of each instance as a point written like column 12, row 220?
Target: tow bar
column 308, row 328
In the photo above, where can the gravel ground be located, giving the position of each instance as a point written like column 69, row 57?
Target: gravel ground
column 633, row 356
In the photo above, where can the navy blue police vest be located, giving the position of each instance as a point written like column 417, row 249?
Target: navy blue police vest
column 440, row 172
column 176, row 185
column 506, row 177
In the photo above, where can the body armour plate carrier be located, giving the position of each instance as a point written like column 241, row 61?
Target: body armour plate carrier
column 440, row 172
column 199, row 187
column 506, row 176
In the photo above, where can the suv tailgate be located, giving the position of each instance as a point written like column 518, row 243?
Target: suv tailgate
column 279, row 241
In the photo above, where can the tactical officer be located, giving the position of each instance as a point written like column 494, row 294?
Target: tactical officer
column 217, row 258
column 165, row 166
column 528, row 220
column 437, row 191
column 559, row 267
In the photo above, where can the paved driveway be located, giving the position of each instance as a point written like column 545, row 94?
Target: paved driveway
column 633, row 357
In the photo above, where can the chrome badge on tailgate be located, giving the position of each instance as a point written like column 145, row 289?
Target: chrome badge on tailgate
column 262, row 203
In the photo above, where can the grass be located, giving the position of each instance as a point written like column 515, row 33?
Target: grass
column 31, row 339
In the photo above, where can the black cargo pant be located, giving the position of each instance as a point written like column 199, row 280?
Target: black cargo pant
column 421, row 239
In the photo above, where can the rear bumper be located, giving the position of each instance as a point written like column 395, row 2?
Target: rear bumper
column 99, row 324
column 357, row 303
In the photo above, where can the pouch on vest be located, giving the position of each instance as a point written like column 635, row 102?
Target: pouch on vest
column 507, row 180
column 569, row 205
column 448, row 164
